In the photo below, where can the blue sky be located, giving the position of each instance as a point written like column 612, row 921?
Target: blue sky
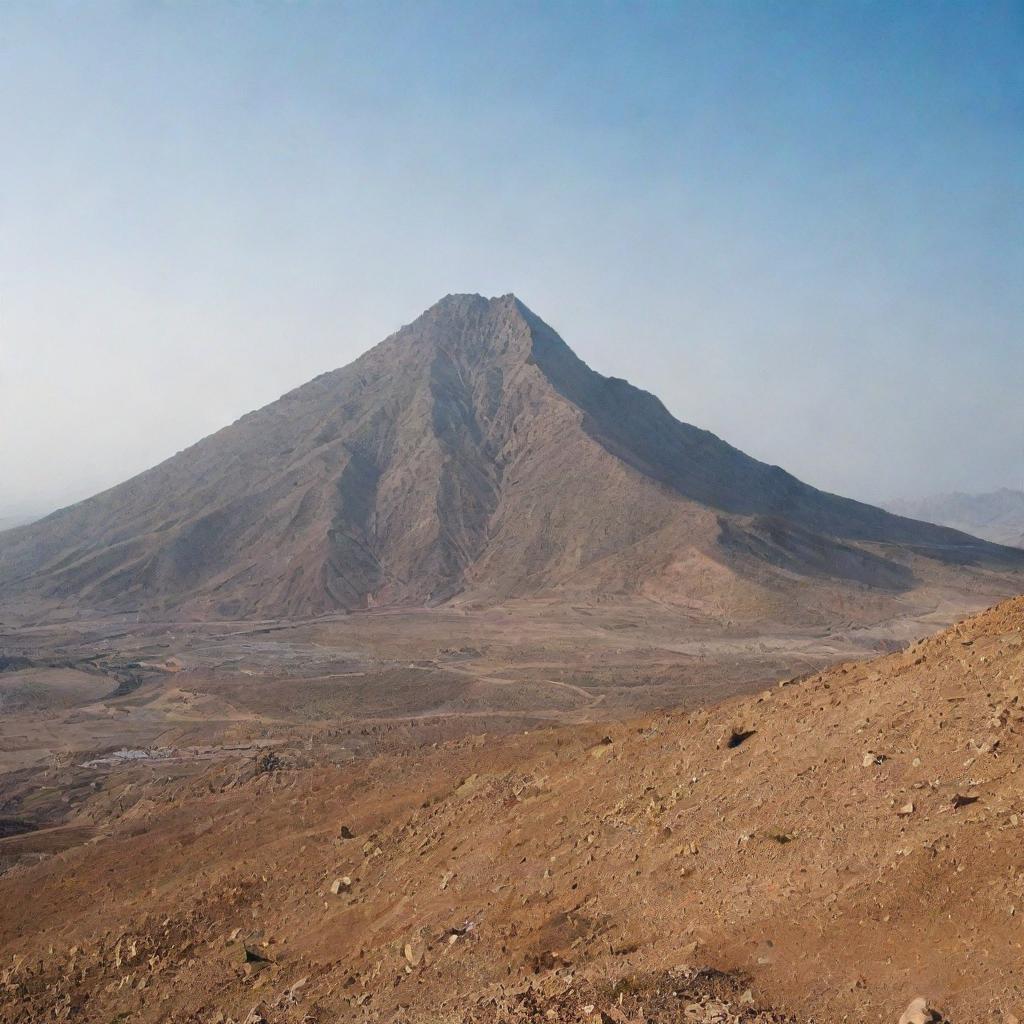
column 801, row 225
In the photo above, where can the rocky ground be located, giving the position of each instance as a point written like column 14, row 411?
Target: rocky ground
column 830, row 848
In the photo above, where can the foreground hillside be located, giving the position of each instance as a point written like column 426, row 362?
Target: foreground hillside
column 459, row 460
column 836, row 846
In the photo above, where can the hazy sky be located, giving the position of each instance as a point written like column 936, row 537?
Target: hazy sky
column 801, row 224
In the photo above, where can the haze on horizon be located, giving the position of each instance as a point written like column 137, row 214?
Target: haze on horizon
column 800, row 226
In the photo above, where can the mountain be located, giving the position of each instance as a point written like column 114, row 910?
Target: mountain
column 997, row 516
column 473, row 456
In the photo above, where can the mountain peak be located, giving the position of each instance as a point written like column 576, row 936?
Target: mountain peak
column 461, row 302
column 468, row 328
column 473, row 452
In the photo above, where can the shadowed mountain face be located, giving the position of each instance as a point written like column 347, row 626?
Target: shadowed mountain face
column 472, row 455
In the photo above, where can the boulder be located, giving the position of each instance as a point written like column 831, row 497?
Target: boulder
column 919, row 1012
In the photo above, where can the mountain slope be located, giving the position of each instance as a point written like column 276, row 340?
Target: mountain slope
column 848, row 842
column 471, row 453
column 997, row 516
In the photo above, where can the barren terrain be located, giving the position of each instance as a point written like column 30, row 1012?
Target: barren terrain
column 81, row 689
column 835, row 845
column 425, row 693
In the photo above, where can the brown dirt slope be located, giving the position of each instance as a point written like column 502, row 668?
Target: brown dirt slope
column 838, row 845
column 463, row 456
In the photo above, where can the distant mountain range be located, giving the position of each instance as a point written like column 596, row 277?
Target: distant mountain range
column 9, row 522
column 473, row 457
column 997, row 516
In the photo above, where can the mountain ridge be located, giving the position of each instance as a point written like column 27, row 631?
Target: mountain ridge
column 459, row 458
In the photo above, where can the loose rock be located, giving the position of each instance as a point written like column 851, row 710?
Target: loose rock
column 919, row 1012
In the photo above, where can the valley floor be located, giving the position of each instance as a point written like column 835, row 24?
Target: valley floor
column 79, row 689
